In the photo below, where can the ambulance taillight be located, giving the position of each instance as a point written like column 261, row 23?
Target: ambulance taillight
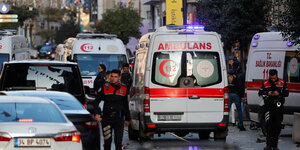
column 147, row 99
column 226, row 99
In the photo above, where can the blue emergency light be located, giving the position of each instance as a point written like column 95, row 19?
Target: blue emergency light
column 254, row 44
column 256, row 37
column 289, row 44
column 47, row 43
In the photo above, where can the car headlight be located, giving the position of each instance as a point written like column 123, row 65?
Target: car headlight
column 49, row 53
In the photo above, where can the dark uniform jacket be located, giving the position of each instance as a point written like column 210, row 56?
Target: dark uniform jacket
column 279, row 86
column 115, row 102
column 99, row 81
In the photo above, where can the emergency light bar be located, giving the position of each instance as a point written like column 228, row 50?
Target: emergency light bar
column 186, row 27
column 94, row 36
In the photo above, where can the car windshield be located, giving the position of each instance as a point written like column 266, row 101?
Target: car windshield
column 46, row 49
column 201, row 68
column 42, row 76
column 3, row 58
column 30, row 112
column 89, row 63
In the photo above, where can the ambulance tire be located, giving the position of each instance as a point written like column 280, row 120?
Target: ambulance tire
column 132, row 134
column 220, row 135
column 142, row 135
column 181, row 133
column 204, row 135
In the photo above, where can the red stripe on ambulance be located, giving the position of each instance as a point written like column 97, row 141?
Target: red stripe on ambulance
column 183, row 92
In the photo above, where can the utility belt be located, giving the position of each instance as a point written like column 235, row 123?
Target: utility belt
column 274, row 102
column 113, row 115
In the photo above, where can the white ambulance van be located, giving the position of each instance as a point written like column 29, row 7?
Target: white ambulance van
column 268, row 51
column 12, row 47
column 179, row 84
column 90, row 50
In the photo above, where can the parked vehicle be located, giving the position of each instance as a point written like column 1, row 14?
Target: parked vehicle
column 34, row 122
column 90, row 50
column 179, row 84
column 43, row 75
column 75, row 112
column 12, row 47
column 268, row 51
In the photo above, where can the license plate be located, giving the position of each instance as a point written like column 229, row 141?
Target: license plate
column 32, row 142
column 169, row 117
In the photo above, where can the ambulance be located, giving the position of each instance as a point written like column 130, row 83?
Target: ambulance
column 268, row 51
column 12, row 47
column 179, row 84
column 90, row 50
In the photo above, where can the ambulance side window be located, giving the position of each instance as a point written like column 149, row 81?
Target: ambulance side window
column 139, row 69
column 292, row 67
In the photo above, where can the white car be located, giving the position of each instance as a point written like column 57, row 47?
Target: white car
column 35, row 123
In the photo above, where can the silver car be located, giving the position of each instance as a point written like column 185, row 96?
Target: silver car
column 35, row 123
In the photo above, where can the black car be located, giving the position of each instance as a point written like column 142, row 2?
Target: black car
column 46, row 52
column 43, row 75
column 76, row 113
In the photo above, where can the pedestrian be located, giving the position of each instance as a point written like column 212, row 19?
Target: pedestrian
column 107, row 76
column 115, row 108
column 273, row 91
column 100, row 79
column 233, row 92
column 126, row 78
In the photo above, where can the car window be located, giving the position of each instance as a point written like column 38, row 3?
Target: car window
column 203, row 68
column 31, row 112
column 67, row 103
column 47, row 77
column 89, row 63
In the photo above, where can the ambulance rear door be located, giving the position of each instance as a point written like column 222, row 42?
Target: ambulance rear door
column 205, row 103
column 168, row 99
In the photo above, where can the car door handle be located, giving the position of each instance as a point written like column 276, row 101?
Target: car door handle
column 194, row 97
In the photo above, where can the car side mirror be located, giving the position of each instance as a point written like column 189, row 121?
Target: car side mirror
column 87, row 90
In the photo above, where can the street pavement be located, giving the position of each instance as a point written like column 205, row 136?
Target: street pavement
column 236, row 140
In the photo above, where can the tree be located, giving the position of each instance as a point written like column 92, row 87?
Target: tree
column 235, row 20
column 290, row 22
column 68, row 28
column 122, row 21
column 23, row 13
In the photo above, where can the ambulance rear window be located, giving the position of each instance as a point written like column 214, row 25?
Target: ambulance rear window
column 171, row 68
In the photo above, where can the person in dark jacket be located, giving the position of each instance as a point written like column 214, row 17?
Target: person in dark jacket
column 234, row 92
column 115, row 108
column 100, row 79
column 126, row 76
column 273, row 92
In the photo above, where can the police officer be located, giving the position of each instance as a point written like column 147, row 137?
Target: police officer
column 115, row 108
column 273, row 92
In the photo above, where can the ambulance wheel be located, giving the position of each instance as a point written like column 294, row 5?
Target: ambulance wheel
column 142, row 135
column 220, row 135
column 132, row 134
column 181, row 133
column 204, row 135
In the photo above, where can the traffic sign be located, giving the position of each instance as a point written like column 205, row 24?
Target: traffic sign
column 8, row 20
column 8, row 16
column 4, row 8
